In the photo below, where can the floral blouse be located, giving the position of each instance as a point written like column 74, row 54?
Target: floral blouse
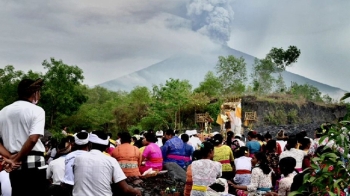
column 204, row 173
column 273, row 160
column 317, row 144
column 325, row 142
column 259, row 180
column 285, row 184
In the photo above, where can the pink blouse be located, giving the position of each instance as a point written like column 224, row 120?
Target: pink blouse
column 153, row 155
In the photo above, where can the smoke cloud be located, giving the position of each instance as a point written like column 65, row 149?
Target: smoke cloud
column 211, row 18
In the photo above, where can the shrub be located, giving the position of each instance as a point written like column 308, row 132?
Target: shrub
column 307, row 91
column 277, row 117
column 293, row 116
column 329, row 175
column 270, row 118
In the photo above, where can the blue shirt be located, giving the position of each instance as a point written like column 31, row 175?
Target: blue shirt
column 188, row 153
column 174, row 146
column 188, row 150
column 253, row 147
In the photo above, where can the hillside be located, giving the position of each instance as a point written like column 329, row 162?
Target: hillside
column 194, row 68
column 274, row 114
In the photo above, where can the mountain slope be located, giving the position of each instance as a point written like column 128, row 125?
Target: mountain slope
column 194, row 68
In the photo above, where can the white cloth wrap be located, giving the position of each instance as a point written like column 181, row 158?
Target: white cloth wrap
column 81, row 141
column 95, row 139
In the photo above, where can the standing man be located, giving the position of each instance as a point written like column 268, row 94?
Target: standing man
column 21, row 125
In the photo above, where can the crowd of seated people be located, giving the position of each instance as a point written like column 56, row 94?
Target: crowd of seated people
column 215, row 166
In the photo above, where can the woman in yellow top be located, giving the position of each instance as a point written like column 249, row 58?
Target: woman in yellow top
column 224, row 155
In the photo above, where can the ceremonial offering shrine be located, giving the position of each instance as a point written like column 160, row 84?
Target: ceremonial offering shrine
column 204, row 120
column 230, row 116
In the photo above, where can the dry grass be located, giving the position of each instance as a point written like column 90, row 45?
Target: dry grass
column 290, row 99
column 282, row 98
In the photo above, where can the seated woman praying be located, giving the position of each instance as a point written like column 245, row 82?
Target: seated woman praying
column 204, row 171
column 243, row 167
column 272, row 156
column 189, row 182
column 128, row 156
column 224, row 155
column 261, row 179
column 152, row 155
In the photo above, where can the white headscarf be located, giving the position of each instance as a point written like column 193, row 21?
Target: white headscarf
column 95, row 139
column 81, row 141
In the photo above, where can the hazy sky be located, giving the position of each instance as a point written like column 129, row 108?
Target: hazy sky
column 111, row 38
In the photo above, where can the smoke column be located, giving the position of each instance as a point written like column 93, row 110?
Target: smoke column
column 211, row 18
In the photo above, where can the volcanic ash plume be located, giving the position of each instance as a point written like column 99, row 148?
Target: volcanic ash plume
column 212, row 18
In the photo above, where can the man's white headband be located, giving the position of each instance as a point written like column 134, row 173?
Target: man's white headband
column 95, row 139
column 81, row 141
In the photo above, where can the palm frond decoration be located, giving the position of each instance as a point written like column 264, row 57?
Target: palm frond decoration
column 346, row 95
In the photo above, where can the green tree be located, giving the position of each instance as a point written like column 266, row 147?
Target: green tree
column 133, row 108
column 283, row 58
column 280, row 85
column 262, row 76
column 139, row 100
column 154, row 120
column 214, row 109
column 327, row 99
column 232, row 74
column 97, row 112
column 211, row 86
column 170, row 99
column 197, row 104
column 9, row 79
column 62, row 94
column 307, row 91
column 32, row 75
column 198, row 101
column 123, row 115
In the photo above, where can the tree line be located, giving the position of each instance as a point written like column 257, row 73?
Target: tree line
column 69, row 103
